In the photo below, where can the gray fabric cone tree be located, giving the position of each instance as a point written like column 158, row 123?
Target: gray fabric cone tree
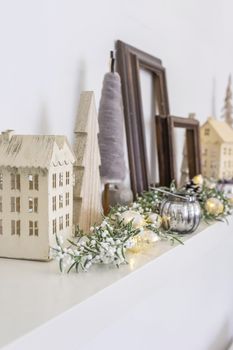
column 111, row 138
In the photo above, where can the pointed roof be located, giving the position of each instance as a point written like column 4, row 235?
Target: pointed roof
column 33, row 150
column 224, row 131
column 86, row 106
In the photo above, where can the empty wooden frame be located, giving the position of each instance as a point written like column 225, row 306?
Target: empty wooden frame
column 129, row 62
column 166, row 146
column 165, row 154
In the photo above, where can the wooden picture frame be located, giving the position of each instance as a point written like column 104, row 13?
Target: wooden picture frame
column 166, row 146
column 129, row 62
column 165, row 154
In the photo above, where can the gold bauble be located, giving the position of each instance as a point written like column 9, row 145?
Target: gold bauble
column 142, row 241
column 198, row 180
column 214, row 206
column 136, row 218
column 230, row 200
column 137, row 244
column 149, row 237
column 166, row 222
column 155, row 219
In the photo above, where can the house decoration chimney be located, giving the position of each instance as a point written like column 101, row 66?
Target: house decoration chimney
column 7, row 135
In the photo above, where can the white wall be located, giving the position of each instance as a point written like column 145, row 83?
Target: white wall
column 52, row 49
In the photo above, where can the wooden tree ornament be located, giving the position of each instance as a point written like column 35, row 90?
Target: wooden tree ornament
column 227, row 108
column 87, row 189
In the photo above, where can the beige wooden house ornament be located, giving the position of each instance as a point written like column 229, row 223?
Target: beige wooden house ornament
column 36, row 191
column 217, row 149
column 87, row 190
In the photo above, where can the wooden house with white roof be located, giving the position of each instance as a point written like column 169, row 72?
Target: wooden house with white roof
column 217, row 149
column 36, row 194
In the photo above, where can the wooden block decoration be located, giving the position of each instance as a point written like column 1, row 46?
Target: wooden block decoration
column 87, row 189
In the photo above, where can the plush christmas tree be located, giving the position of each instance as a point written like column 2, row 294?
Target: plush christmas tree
column 111, row 141
column 227, row 109
column 87, row 189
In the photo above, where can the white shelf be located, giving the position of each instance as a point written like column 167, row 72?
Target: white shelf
column 41, row 308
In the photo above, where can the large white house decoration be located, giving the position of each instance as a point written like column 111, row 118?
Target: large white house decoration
column 217, row 149
column 36, row 191
column 87, row 189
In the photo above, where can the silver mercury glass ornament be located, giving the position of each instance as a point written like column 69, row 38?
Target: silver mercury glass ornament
column 182, row 212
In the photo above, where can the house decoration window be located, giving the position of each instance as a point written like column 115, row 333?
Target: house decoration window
column 1, row 181
column 32, row 205
column 61, row 223
column 67, row 177
column 67, row 220
column 15, row 181
column 54, row 203
column 1, row 229
column 15, row 227
column 15, row 204
column 30, row 181
column 213, row 153
column 0, row 204
column 54, row 226
column 60, row 201
column 54, row 180
column 33, row 228
column 30, row 228
column 60, row 179
column 67, row 198
column 33, row 181
column 18, row 227
column 36, row 229
column 207, row 132
column 224, row 151
column 213, row 164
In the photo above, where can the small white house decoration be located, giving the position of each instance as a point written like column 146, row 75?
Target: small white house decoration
column 217, row 149
column 36, row 192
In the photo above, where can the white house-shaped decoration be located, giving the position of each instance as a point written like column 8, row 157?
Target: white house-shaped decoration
column 36, row 194
column 217, row 149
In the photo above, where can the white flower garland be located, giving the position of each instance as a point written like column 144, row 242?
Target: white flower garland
column 125, row 227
